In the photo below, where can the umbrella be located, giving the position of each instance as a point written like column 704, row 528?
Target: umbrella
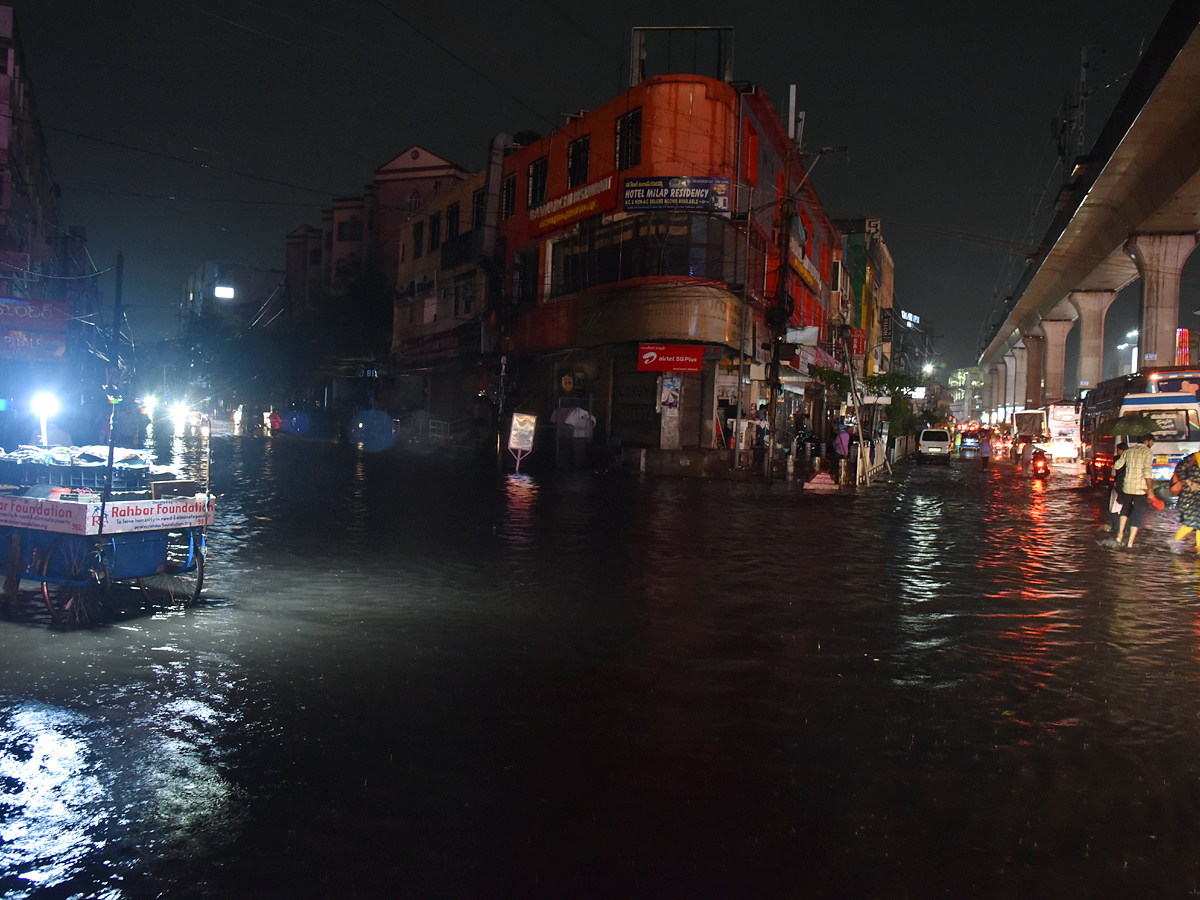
column 1131, row 424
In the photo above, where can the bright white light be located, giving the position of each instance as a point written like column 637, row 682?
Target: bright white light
column 223, row 293
column 149, row 402
column 1131, row 334
column 45, row 405
column 928, row 368
column 179, row 414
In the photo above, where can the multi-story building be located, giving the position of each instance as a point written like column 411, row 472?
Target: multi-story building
column 359, row 237
column 441, row 348
column 240, row 296
column 871, row 273
column 48, row 302
column 966, row 394
column 641, row 246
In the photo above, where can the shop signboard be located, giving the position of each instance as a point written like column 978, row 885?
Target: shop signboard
column 858, row 342
column 690, row 192
column 670, row 357
column 521, row 435
column 580, row 203
column 34, row 315
column 66, row 517
column 33, row 330
column 32, row 346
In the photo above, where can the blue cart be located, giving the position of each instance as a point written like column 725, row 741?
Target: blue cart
column 157, row 544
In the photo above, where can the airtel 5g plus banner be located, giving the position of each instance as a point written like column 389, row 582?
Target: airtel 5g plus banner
column 670, row 357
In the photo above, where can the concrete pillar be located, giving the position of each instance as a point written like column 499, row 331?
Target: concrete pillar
column 1056, row 331
column 1018, row 353
column 1001, row 382
column 1035, row 366
column 1092, row 305
column 1010, row 382
column 1160, row 259
column 989, row 391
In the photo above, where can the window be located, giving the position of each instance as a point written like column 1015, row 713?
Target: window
column 350, row 230
column 464, row 295
column 536, row 194
column 314, row 256
column 418, row 239
column 525, row 274
column 749, row 154
column 452, row 221
column 478, row 209
column 508, row 197
column 577, row 160
column 329, row 240
column 435, row 231
column 629, row 139
column 669, row 244
column 414, row 200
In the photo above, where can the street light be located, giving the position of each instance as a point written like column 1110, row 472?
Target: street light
column 45, row 406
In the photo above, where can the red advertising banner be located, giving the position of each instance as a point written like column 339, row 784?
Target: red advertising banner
column 670, row 357
column 33, row 315
column 858, row 342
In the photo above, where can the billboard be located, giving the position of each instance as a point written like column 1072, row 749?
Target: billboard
column 33, row 330
column 692, row 192
column 670, row 357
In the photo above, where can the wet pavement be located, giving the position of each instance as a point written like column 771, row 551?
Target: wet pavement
column 421, row 680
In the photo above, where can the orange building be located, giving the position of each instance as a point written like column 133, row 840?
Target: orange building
column 640, row 245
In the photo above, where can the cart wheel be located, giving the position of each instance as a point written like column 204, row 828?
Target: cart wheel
column 10, row 552
column 76, row 602
column 181, row 578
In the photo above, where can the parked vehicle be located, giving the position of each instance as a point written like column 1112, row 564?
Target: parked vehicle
column 1178, row 435
column 1105, row 400
column 934, row 444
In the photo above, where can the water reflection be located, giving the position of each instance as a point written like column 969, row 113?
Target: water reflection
column 94, row 790
column 434, row 681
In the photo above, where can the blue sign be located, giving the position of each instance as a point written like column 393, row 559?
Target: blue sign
column 693, row 192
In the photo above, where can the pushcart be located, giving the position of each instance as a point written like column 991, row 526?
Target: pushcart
column 76, row 547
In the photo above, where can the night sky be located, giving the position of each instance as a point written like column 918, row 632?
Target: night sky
column 254, row 114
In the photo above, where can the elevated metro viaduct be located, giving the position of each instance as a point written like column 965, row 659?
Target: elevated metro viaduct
column 1132, row 211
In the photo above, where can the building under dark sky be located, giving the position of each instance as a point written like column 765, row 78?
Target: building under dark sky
column 188, row 130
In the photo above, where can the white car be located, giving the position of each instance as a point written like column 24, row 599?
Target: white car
column 934, row 444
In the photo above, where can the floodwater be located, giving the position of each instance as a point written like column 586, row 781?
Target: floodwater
column 413, row 679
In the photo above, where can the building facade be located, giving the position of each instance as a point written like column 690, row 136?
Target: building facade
column 654, row 252
column 871, row 274
column 240, row 296
column 442, row 340
column 49, row 309
column 359, row 237
column 966, row 394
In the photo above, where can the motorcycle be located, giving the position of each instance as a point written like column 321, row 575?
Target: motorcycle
column 1039, row 466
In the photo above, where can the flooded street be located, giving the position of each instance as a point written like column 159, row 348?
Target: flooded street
column 415, row 679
